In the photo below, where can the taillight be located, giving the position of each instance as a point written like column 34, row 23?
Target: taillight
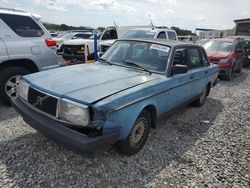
column 50, row 42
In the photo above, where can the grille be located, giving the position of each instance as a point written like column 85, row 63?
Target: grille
column 43, row 102
column 72, row 50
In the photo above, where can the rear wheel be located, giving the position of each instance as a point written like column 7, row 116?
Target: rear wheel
column 201, row 100
column 137, row 137
column 10, row 78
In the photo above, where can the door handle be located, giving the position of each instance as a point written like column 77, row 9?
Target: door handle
column 206, row 72
column 191, row 77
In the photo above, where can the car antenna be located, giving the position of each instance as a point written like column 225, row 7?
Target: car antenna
column 115, row 24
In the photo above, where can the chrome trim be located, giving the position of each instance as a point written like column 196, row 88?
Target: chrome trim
column 58, row 99
column 74, row 103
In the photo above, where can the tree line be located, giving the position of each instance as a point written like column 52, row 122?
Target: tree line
column 64, row 27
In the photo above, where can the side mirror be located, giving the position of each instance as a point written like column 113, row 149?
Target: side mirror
column 179, row 69
column 74, row 37
column 239, row 51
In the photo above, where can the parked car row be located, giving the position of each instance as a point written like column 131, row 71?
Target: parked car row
column 75, row 49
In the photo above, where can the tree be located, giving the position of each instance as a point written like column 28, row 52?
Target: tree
column 182, row 32
column 64, row 27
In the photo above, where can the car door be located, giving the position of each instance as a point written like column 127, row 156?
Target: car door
column 181, row 90
column 198, row 70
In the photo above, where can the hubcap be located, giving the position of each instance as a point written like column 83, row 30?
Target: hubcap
column 138, row 132
column 11, row 86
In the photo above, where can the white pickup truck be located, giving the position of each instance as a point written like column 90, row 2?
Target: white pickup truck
column 141, row 33
column 75, row 49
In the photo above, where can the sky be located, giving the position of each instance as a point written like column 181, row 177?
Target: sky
column 186, row 14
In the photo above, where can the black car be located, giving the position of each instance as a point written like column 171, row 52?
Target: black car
column 245, row 42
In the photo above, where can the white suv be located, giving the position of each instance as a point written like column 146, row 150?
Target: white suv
column 25, row 47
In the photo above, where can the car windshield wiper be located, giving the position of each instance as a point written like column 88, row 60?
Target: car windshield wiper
column 105, row 61
column 136, row 65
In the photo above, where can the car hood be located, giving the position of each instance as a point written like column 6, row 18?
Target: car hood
column 218, row 55
column 58, row 39
column 78, row 41
column 88, row 83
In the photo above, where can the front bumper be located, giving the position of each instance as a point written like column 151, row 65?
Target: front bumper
column 67, row 137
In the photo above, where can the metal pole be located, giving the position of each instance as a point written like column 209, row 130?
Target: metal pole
column 95, row 46
column 86, row 53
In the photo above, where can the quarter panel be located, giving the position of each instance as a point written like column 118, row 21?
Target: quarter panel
column 3, row 51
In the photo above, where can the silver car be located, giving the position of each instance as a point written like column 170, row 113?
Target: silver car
column 25, row 47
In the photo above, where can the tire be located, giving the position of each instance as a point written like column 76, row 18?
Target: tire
column 9, row 80
column 229, row 75
column 201, row 100
column 136, row 140
column 239, row 69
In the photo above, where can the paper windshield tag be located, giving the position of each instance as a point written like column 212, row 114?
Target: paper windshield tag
column 160, row 47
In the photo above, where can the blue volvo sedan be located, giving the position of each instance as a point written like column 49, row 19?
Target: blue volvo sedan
column 116, row 101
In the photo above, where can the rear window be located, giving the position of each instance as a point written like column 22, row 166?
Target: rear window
column 138, row 34
column 172, row 35
column 23, row 26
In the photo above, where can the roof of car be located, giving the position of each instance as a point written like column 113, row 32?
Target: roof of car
column 171, row 43
column 239, row 37
column 19, row 12
column 152, row 29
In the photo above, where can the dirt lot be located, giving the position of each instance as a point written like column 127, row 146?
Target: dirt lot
column 194, row 147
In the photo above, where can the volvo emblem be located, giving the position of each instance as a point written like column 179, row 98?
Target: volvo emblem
column 39, row 100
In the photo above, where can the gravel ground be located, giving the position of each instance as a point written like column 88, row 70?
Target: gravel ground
column 194, row 147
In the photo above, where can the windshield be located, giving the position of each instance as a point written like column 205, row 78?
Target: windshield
column 138, row 34
column 148, row 56
column 217, row 46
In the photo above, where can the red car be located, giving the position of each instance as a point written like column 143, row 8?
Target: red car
column 228, row 54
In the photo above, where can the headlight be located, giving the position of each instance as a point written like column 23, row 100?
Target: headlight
column 23, row 89
column 75, row 113
column 224, row 60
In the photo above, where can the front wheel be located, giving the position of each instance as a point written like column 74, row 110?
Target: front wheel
column 137, row 137
column 239, row 69
column 9, row 81
column 229, row 75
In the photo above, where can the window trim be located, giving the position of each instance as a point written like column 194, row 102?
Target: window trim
column 169, row 69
